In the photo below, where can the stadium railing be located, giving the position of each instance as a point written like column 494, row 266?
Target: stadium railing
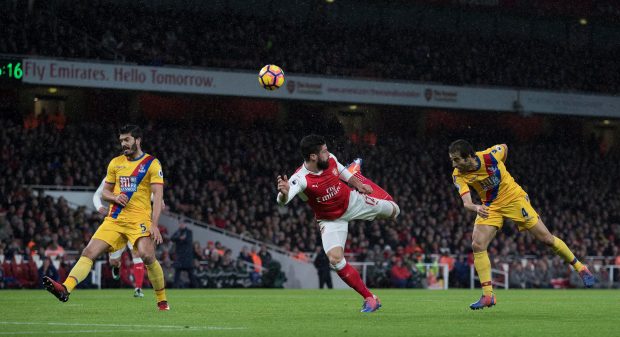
column 181, row 218
column 612, row 269
column 363, row 268
column 433, row 281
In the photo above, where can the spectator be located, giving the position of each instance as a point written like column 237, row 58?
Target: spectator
column 299, row 256
column 169, row 270
column 219, row 248
column 201, row 274
column 543, row 275
column 228, row 263
column 265, row 255
column 321, row 262
column 244, row 255
column 209, row 249
column 236, row 185
column 517, row 278
column 198, row 252
column 400, row 274
column 455, row 56
column 48, row 269
column 255, row 275
column 184, row 254
column 54, row 249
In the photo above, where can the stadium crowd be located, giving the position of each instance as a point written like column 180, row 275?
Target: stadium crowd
column 149, row 36
column 231, row 186
column 41, row 236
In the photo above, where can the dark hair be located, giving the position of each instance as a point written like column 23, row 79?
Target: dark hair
column 463, row 148
column 311, row 144
column 134, row 130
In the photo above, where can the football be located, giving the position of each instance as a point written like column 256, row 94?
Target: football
column 271, row 77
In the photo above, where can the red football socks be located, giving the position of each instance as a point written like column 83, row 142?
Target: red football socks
column 351, row 277
column 138, row 273
column 377, row 192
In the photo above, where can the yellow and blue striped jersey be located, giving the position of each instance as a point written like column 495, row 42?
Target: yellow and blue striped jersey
column 133, row 178
column 491, row 180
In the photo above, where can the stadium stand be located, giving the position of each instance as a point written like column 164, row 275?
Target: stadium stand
column 171, row 35
column 232, row 188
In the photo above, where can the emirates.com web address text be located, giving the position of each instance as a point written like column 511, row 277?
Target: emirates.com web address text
column 374, row 92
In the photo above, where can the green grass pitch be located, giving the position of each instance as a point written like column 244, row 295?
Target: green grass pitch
column 323, row 313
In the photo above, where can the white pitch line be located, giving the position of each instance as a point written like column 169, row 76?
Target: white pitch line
column 180, row 327
column 78, row 331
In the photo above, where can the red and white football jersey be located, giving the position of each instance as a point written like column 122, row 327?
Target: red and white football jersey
column 325, row 191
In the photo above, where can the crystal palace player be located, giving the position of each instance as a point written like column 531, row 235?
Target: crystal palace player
column 130, row 180
column 502, row 197
column 115, row 257
column 319, row 182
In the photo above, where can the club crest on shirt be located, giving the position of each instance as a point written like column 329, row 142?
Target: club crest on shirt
column 141, row 169
column 335, row 172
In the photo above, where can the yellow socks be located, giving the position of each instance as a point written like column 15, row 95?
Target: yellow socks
column 561, row 249
column 483, row 267
column 156, row 276
column 78, row 273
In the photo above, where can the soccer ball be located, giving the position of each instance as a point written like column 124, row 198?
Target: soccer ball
column 271, row 77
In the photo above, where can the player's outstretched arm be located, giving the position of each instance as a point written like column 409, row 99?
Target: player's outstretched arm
column 482, row 210
column 283, row 189
column 287, row 190
column 358, row 185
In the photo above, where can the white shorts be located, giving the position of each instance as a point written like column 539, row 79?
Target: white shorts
column 361, row 207
column 117, row 254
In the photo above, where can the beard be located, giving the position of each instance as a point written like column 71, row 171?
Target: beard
column 131, row 150
column 322, row 165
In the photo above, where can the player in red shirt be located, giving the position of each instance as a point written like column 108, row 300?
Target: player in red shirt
column 322, row 182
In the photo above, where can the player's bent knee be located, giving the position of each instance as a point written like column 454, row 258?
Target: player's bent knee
column 148, row 259
column 548, row 240
column 337, row 265
column 395, row 211
column 335, row 258
column 90, row 252
column 477, row 246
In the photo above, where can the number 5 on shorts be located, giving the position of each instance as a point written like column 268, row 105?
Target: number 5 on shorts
column 143, row 228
